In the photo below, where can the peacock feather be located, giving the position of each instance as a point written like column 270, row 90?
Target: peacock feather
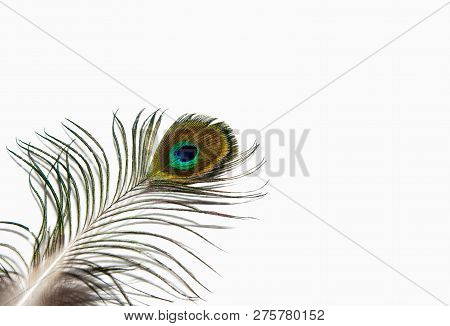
column 101, row 238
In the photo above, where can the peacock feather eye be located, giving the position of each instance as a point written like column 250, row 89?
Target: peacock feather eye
column 194, row 149
column 183, row 155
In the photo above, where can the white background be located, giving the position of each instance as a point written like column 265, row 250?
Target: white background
column 378, row 151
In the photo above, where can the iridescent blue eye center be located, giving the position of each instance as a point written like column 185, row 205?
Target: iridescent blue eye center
column 183, row 155
column 186, row 153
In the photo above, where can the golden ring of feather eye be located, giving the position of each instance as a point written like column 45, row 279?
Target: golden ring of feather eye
column 202, row 145
column 208, row 143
